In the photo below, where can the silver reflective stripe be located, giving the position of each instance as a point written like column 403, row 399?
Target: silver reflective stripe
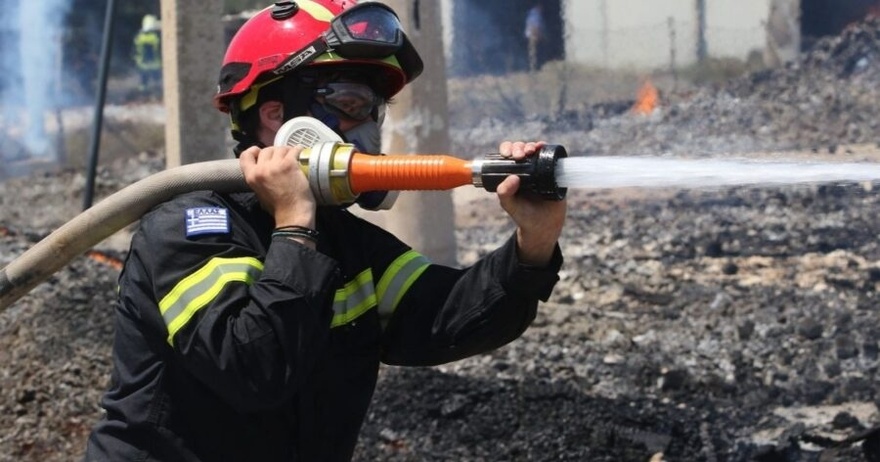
column 397, row 280
column 200, row 288
column 354, row 299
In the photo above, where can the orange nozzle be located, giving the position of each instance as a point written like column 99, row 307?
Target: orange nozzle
column 407, row 172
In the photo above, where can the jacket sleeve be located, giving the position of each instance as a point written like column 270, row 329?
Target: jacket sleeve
column 450, row 314
column 246, row 324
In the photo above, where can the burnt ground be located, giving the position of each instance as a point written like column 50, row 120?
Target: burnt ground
column 734, row 324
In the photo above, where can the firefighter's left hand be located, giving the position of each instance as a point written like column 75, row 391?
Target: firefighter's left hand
column 539, row 221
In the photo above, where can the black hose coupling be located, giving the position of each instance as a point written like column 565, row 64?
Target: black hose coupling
column 537, row 173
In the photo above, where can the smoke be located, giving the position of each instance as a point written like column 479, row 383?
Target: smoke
column 31, row 36
column 9, row 85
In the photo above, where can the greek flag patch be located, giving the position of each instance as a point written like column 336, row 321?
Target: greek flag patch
column 207, row 220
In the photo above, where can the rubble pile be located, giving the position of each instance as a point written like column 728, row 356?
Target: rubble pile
column 727, row 326
column 737, row 324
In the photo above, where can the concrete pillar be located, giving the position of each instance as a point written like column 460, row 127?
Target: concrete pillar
column 417, row 123
column 192, row 51
column 702, row 48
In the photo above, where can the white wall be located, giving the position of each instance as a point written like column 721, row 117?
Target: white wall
column 638, row 34
column 734, row 28
column 629, row 33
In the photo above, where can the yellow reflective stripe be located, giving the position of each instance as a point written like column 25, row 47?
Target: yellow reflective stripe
column 201, row 287
column 354, row 299
column 141, row 42
column 316, row 10
column 147, row 39
column 397, row 279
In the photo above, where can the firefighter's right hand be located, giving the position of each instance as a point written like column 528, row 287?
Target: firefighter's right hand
column 279, row 183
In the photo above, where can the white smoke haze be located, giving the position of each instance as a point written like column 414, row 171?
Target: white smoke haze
column 31, row 34
column 9, row 85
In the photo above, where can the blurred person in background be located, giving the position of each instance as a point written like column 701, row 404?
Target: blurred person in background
column 251, row 326
column 148, row 55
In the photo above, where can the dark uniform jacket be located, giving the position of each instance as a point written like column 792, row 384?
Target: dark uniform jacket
column 234, row 346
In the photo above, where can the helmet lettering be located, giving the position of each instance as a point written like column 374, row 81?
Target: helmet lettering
column 295, row 61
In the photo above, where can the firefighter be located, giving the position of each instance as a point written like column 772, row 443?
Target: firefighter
column 148, row 54
column 251, row 326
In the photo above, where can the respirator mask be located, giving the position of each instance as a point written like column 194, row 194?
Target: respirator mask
column 309, row 131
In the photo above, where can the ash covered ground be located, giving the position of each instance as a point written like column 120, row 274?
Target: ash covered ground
column 733, row 324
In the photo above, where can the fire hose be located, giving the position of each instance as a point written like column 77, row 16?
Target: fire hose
column 337, row 175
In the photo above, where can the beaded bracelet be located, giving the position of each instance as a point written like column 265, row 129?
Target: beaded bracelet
column 312, row 233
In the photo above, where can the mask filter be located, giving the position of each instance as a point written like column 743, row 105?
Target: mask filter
column 306, row 132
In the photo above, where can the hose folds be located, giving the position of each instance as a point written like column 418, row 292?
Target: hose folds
column 108, row 216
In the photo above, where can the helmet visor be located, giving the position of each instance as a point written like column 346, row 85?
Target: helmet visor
column 368, row 30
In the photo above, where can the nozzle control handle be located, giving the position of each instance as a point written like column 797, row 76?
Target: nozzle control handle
column 537, row 173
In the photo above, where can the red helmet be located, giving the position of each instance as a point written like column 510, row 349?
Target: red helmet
column 273, row 42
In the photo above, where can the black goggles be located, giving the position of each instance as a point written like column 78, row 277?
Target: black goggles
column 354, row 100
column 365, row 31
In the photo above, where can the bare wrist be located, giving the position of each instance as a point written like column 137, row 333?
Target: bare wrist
column 534, row 252
column 305, row 220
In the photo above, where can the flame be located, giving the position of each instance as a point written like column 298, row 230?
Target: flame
column 102, row 257
column 647, row 99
